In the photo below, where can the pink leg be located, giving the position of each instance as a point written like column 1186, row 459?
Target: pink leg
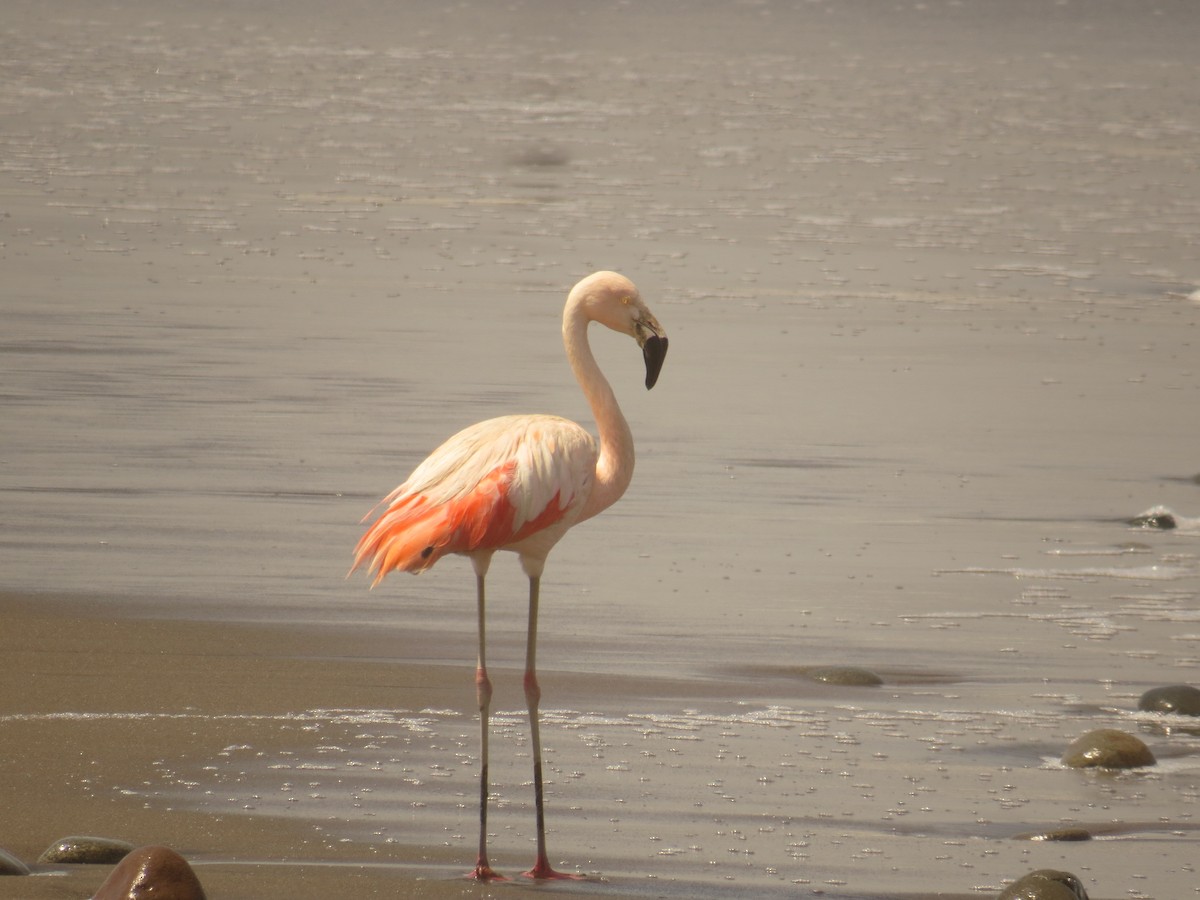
column 533, row 695
column 483, row 692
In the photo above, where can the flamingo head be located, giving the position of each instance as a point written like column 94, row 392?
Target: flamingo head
column 613, row 300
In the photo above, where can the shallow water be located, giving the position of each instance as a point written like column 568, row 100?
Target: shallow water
column 862, row 793
column 926, row 276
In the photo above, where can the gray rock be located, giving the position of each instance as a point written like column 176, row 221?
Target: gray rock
column 10, row 865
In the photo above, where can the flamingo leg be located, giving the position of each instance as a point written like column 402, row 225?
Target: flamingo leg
column 483, row 692
column 533, row 694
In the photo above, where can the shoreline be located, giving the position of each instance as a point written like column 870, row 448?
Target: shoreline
column 93, row 698
column 99, row 695
column 101, row 705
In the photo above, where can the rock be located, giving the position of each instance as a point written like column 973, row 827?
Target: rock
column 541, row 156
column 1056, row 834
column 1107, row 748
column 1180, row 699
column 10, row 865
column 848, row 676
column 1158, row 519
column 1045, row 884
column 151, row 873
column 86, row 850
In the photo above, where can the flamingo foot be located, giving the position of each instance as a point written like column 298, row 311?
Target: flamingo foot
column 541, row 871
column 484, row 872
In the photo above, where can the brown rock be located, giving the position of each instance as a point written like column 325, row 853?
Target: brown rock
column 151, row 873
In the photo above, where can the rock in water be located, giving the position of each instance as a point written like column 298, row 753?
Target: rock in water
column 10, row 865
column 1056, row 834
column 1180, row 699
column 1107, row 748
column 1045, row 884
column 1157, row 519
column 82, row 849
column 152, row 873
column 847, row 676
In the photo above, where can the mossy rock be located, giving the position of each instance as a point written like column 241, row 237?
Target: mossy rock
column 85, row 850
column 1180, row 699
column 1045, row 884
column 1056, row 834
column 1155, row 520
column 847, row 676
column 1107, row 748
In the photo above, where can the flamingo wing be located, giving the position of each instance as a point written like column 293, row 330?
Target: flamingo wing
column 488, row 487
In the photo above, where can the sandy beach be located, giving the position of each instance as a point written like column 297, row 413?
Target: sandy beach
column 929, row 273
column 100, row 708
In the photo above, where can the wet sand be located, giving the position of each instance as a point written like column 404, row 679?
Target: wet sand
column 99, row 707
column 155, row 731
column 179, row 731
column 928, row 274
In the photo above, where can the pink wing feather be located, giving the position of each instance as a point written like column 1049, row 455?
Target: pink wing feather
column 488, row 487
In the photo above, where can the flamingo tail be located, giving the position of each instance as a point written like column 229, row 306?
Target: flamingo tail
column 410, row 537
column 415, row 532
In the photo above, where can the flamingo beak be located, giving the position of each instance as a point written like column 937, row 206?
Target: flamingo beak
column 654, row 351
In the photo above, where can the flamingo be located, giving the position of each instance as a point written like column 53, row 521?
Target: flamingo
column 519, row 483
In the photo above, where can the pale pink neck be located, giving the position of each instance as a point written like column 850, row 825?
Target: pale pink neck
column 614, row 468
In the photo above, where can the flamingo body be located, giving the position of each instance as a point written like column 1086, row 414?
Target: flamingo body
column 519, row 483
column 514, row 482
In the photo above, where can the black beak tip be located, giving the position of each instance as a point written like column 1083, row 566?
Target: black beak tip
column 654, row 351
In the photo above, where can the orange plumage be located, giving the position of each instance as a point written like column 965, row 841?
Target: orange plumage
column 489, row 487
